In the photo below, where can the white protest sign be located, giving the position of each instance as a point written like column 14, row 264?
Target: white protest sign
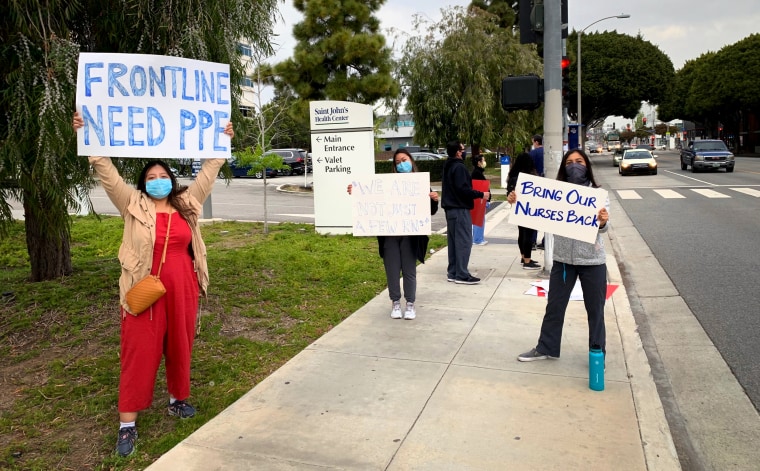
column 141, row 105
column 558, row 207
column 392, row 204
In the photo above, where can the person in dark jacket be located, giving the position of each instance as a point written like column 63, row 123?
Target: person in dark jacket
column 478, row 173
column 457, row 201
column 400, row 253
column 526, row 236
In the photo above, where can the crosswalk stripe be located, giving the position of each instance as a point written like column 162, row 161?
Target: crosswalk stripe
column 748, row 191
column 709, row 193
column 669, row 194
column 628, row 195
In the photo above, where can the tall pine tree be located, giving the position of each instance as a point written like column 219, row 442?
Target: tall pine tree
column 340, row 54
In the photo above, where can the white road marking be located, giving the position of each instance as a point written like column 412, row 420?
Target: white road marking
column 669, row 194
column 748, row 191
column 628, row 195
column 709, row 193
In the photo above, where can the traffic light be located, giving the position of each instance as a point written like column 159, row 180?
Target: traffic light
column 524, row 92
column 644, row 120
column 565, row 81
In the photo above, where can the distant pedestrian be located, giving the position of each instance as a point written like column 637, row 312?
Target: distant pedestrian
column 523, row 164
column 478, row 173
column 574, row 260
column 457, row 200
column 400, row 253
column 537, row 154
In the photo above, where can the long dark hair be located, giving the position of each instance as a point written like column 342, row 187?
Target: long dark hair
column 562, row 173
column 411, row 159
column 174, row 200
column 523, row 163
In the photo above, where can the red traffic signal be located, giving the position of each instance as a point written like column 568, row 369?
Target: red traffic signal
column 565, row 62
column 645, row 120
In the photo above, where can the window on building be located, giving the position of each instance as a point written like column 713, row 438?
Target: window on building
column 246, row 82
column 245, row 50
column 247, row 111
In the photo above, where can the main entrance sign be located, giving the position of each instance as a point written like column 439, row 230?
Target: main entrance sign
column 343, row 145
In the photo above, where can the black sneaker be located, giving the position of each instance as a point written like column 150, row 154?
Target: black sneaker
column 532, row 265
column 181, row 409
column 471, row 280
column 533, row 355
column 540, row 246
column 125, row 446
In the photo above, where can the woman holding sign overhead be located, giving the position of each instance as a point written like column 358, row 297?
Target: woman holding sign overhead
column 574, row 260
column 400, row 253
column 161, row 235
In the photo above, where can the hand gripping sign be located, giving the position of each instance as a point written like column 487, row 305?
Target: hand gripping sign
column 142, row 105
column 558, row 207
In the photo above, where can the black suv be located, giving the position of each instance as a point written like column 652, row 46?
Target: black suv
column 296, row 159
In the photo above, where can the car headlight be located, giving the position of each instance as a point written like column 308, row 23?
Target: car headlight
column 652, row 164
column 730, row 157
column 625, row 164
column 699, row 157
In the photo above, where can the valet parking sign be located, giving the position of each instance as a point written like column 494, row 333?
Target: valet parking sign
column 142, row 105
column 558, row 207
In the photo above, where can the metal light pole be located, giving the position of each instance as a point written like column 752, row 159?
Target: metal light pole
column 581, row 132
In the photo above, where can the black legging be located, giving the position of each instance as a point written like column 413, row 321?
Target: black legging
column 525, row 239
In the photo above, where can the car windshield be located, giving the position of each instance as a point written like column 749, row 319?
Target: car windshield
column 637, row 155
column 709, row 146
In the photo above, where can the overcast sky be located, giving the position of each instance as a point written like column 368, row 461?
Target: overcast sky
column 682, row 29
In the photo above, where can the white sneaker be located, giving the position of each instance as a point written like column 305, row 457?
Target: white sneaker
column 396, row 311
column 410, row 313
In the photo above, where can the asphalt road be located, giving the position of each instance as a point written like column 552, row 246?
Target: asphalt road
column 702, row 228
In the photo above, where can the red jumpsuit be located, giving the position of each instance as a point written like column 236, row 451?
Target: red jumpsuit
column 167, row 328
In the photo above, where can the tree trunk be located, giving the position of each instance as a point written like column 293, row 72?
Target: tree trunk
column 49, row 250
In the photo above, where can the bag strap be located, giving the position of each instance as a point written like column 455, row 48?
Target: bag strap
column 166, row 242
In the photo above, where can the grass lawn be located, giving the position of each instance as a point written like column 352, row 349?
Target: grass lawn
column 271, row 295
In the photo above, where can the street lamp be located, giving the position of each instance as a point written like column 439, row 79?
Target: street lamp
column 580, row 33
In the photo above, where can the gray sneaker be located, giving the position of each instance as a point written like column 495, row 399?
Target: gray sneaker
column 533, row 355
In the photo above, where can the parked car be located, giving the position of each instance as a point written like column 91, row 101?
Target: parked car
column 648, row 147
column 707, row 154
column 417, row 156
column 637, row 161
column 297, row 160
column 242, row 170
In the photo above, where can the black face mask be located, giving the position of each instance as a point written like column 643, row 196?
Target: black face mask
column 464, row 154
column 577, row 173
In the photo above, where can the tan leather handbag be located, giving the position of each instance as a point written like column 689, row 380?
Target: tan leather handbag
column 150, row 289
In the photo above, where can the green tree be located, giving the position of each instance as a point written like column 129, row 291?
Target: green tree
column 39, row 48
column 451, row 81
column 619, row 72
column 503, row 9
column 340, row 54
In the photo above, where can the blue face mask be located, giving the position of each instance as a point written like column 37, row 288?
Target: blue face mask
column 404, row 167
column 159, row 188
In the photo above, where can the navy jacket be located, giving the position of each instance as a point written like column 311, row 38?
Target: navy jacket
column 457, row 186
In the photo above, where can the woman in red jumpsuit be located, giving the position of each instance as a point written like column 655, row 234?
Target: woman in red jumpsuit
column 167, row 328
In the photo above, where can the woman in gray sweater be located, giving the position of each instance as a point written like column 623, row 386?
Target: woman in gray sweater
column 574, row 260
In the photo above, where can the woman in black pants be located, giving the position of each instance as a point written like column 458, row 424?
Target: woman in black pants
column 523, row 163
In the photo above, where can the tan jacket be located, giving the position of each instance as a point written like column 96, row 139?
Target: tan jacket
column 139, row 214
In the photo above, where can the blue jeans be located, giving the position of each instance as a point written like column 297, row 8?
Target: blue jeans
column 478, row 233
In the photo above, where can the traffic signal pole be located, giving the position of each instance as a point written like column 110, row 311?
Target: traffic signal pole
column 552, row 104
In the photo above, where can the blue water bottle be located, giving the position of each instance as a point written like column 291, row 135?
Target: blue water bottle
column 596, row 368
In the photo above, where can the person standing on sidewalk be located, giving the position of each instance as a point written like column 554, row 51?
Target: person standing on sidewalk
column 157, row 213
column 457, row 200
column 574, row 260
column 478, row 173
column 400, row 253
column 526, row 236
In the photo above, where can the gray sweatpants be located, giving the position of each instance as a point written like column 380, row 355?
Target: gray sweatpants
column 459, row 235
column 398, row 256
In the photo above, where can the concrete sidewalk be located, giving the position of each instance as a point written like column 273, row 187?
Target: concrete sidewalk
column 445, row 391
